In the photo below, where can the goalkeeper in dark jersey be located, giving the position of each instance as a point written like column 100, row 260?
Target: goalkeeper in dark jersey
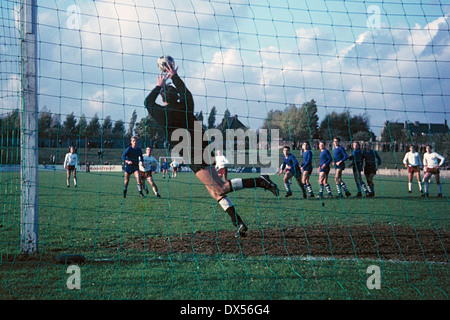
column 177, row 112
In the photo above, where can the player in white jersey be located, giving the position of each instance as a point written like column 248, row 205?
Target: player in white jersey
column 221, row 165
column 414, row 164
column 70, row 164
column 145, row 169
column 174, row 165
column 432, row 162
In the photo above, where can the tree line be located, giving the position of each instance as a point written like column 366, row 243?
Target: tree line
column 295, row 124
column 298, row 124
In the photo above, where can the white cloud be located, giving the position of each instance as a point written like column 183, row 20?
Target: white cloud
column 97, row 100
column 384, row 71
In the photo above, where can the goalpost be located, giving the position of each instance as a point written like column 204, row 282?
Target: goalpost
column 29, row 136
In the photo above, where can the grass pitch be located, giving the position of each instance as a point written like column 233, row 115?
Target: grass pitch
column 95, row 221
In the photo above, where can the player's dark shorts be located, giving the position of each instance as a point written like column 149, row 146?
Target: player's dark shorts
column 130, row 168
column 296, row 171
column 370, row 170
column 413, row 169
column 434, row 170
column 308, row 169
column 146, row 174
column 325, row 170
column 357, row 168
column 340, row 166
column 71, row 167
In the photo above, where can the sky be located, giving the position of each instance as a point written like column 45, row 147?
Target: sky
column 389, row 59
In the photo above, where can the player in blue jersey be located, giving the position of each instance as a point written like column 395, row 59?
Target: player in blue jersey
column 132, row 157
column 339, row 164
column 291, row 168
column 324, row 170
column 306, row 167
column 357, row 165
column 372, row 162
column 165, row 168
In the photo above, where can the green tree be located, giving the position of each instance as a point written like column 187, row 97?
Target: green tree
column 275, row 120
column 10, row 128
column 93, row 127
column 148, row 130
column 199, row 116
column 118, row 130
column 70, row 125
column 212, row 118
column 131, row 124
column 345, row 126
column 44, row 123
column 82, row 126
column 310, row 119
column 107, row 127
column 294, row 123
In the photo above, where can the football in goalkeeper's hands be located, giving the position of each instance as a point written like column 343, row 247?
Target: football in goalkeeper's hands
column 165, row 60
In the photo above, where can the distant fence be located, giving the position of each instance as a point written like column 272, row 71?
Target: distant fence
column 118, row 168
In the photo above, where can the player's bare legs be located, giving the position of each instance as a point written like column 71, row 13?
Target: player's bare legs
column 218, row 189
column 410, row 180
column 74, row 174
column 287, row 184
column 369, row 179
column 68, row 178
column 153, row 185
column 340, row 183
column 305, row 182
column 127, row 180
column 323, row 183
column 426, row 180
column 75, row 177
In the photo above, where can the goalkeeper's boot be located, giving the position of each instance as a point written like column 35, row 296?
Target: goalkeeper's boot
column 269, row 185
column 241, row 229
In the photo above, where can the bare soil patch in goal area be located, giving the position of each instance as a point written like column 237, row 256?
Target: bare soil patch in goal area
column 377, row 242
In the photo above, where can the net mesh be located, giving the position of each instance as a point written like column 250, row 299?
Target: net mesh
column 374, row 73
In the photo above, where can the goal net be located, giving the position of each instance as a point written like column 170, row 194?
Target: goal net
column 358, row 91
